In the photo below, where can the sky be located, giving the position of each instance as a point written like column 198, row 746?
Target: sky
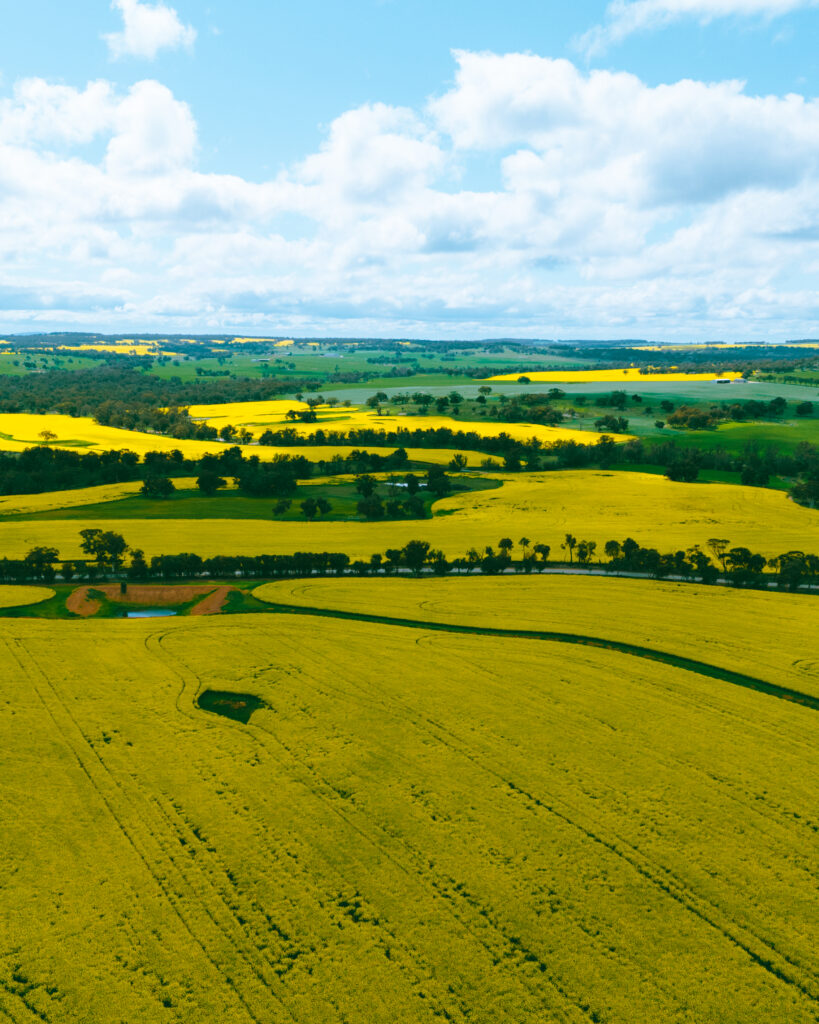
column 404, row 168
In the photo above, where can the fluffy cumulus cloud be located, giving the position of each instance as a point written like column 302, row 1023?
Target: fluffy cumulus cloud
column 147, row 29
column 624, row 17
column 682, row 210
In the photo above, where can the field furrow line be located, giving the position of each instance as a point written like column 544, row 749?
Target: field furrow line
column 766, row 955
column 469, row 918
column 191, row 684
column 139, row 835
column 659, row 872
column 770, row 959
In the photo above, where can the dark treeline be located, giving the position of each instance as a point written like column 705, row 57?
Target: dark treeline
column 84, row 392
column 106, row 553
column 745, row 358
column 41, row 469
column 756, row 464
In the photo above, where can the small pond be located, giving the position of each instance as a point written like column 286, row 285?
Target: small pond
column 148, row 613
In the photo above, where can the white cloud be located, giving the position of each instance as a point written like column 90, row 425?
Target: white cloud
column 152, row 132
column 687, row 209
column 147, row 29
column 624, row 17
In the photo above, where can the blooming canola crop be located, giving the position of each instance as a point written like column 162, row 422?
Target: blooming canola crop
column 415, row 827
column 19, row 431
column 592, row 505
column 260, row 416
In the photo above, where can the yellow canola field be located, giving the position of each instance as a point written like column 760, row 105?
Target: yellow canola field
column 630, row 375
column 260, row 416
column 18, row 597
column 769, row 636
column 19, row 431
column 720, row 345
column 592, row 505
column 417, row 827
column 23, row 504
column 128, row 348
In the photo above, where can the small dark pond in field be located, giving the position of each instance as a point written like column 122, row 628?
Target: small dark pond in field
column 148, row 613
column 238, row 706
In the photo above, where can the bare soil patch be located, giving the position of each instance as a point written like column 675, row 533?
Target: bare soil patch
column 157, row 595
column 213, row 603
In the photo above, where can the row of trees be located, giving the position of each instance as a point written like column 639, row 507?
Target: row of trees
column 106, row 553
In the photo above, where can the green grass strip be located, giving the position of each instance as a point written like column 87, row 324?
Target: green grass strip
column 651, row 654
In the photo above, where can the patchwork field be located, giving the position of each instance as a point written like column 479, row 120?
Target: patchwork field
column 592, row 505
column 260, row 416
column 457, row 828
column 19, row 431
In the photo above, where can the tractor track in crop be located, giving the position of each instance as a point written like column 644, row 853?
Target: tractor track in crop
column 761, row 951
column 164, row 868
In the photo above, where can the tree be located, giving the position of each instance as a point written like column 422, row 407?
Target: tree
column 569, row 545
column 506, row 544
column 366, row 485
column 108, row 548
column 802, row 409
column 138, row 569
column 282, row 506
column 210, row 482
column 793, row 568
column 524, row 543
column 338, row 562
column 90, row 544
column 371, row 508
column 473, row 559
column 439, row 563
column 585, row 551
column 485, row 390
column 393, row 559
column 437, row 481
column 323, row 506
column 612, row 549
column 544, row 551
column 415, row 554
column 47, row 436
column 309, row 509
column 39, row 563
column 157, row 487
column 413, row 483
column 457, row 462
column 228, row 432
column 718, row 546
column 114, row 547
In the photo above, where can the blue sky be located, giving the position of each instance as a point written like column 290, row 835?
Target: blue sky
column 643, row 167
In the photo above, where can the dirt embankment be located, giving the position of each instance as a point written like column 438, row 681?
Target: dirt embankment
column 157, row 596
column 213, row 603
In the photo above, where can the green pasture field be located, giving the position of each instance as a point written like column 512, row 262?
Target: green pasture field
column 231, row 504
column 42, row 362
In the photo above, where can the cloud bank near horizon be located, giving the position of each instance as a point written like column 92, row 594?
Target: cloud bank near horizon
column 614, row 208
